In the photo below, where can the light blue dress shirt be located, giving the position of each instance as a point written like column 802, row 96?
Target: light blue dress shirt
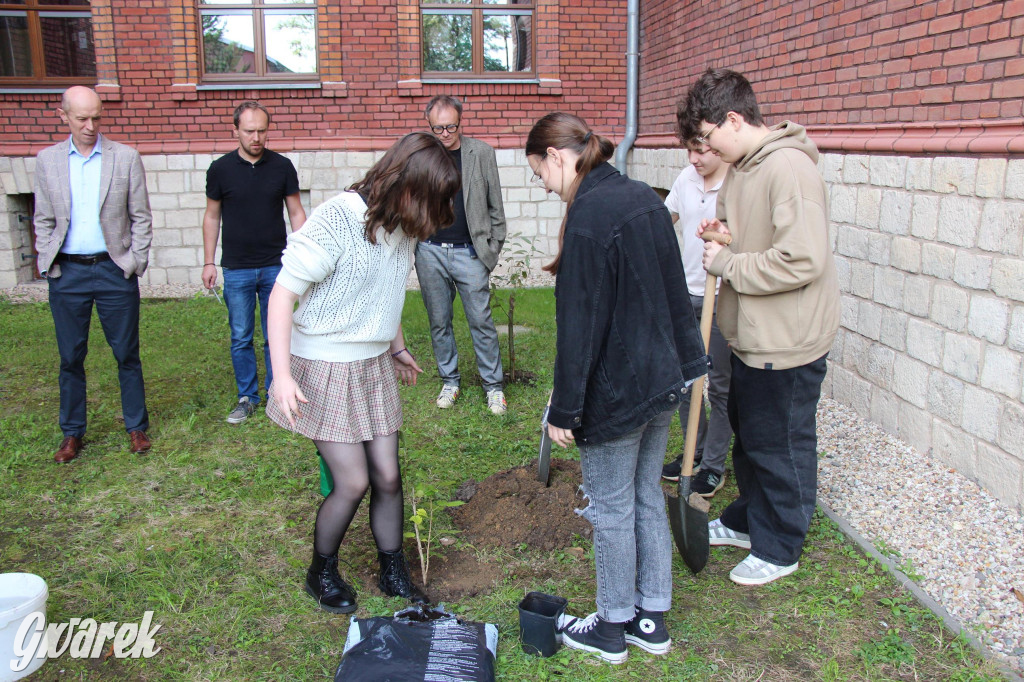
column 85, row 236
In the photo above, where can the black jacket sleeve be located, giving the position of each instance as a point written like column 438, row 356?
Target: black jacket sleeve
column 583, row 311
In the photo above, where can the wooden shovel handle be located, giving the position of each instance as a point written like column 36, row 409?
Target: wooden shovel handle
column 707, row 311
column 720, row 237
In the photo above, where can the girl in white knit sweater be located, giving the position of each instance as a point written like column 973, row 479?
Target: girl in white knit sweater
column 336, row 357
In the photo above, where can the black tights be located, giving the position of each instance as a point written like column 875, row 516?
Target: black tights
column 355, row 467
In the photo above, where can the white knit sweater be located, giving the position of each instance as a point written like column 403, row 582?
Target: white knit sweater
column 351, row 291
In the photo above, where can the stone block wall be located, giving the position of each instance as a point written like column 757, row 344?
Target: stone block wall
column 930, row 255
column 16, row 261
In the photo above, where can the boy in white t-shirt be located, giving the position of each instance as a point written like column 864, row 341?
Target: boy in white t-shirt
column 692, row 199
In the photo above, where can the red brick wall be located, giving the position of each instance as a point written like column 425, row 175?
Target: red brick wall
column 153, row 106
column 887, row 63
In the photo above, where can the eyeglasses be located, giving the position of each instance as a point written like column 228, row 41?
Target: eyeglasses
column 538, row 181
column 451, row 128
column 705, row 138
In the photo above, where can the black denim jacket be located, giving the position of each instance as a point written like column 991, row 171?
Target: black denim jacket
column 628, row 342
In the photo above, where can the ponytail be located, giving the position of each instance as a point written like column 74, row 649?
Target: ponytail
column 560, row 130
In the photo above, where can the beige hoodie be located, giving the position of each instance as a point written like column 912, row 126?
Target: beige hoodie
column 778, row 306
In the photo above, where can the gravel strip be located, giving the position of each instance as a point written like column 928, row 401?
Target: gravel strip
column 963, row 547
column 34, row 292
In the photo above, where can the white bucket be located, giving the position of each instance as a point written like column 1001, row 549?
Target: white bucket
column 21, row 596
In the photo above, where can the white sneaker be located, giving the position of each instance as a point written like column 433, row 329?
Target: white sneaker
column 719, row 534
column 754, row 571
column 447, row 397
column 496, row 401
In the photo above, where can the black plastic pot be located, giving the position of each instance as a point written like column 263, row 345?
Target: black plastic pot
column 538, row 623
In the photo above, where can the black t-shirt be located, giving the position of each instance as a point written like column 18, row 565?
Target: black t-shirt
column 457, row 232
column 253, row 233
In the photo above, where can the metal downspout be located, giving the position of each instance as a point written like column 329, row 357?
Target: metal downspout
column 632, row 79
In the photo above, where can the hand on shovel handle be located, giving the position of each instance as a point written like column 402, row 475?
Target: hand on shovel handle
column 714, row 241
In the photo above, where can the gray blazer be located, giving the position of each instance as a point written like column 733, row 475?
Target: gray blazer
column 124, row 206
column 481, row 191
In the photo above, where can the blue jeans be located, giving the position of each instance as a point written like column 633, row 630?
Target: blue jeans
column 775, row 456
column 72, row 296
column 242, row 286
column 632, row 540
column 712, row 439
column 442, row 272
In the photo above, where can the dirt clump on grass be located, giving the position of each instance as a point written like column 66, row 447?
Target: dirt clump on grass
column 512, row 508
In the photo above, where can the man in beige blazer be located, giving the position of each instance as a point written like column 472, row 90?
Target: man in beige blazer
column 460, row 258
column 93, row 231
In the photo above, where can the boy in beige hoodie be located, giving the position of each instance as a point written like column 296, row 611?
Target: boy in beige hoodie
column 778, row 308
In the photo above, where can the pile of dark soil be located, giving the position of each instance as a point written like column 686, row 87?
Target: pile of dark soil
column 509, row 510
column 512, row 508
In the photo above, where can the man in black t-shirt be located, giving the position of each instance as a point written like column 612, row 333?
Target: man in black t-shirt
column 460, row 258
column 247, row 190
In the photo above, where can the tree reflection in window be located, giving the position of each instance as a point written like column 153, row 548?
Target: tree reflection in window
column 485, row 38
column 258, row 39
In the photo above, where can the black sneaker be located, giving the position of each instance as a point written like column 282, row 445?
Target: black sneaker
column 605, row 639
column 706, row 483
column 674, row 469
column 647, row 630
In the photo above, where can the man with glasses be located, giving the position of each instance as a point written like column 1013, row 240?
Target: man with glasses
column 778, row 307
column 460, row 258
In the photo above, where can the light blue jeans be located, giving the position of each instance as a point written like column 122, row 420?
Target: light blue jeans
column 443, row 271
column 632, row 540
column 242, row 288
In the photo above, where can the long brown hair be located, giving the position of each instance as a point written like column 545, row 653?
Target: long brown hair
column 560, row 130
column 411, row 187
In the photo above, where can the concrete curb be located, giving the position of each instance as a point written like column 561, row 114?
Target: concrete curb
column 951, row 623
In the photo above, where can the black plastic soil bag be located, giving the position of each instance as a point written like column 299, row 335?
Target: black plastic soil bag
column 419, row 643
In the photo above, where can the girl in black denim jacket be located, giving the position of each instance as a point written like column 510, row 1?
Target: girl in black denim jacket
column 627, row 347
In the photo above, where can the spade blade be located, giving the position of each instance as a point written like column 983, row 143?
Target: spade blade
column 688, row 516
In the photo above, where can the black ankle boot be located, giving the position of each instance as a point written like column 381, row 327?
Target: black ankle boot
column 324, row 584
column 394, row 578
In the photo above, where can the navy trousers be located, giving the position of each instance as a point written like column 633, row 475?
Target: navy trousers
column 774, row 456
column 72, row 296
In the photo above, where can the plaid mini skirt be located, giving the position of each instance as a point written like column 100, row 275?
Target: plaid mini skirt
column 349, row 402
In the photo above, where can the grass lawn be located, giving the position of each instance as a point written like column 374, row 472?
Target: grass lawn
column 212, row 529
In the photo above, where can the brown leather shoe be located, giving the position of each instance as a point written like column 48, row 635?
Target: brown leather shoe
column 140, row 442
column 68, row 450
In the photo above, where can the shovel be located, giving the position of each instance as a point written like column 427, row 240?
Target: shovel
column 544, row 456
column 688, row 512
